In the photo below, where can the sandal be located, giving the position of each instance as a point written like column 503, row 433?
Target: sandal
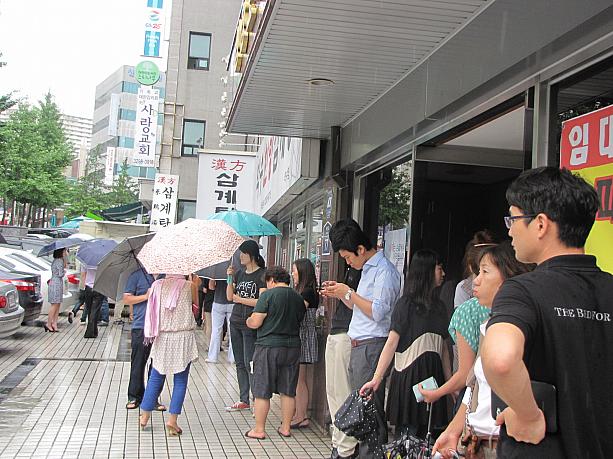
column 254, row 437
column 301, row 424
column 140, row 422
column 173, row 431
column 287, row 435
column 160, row 407
column 132, row 405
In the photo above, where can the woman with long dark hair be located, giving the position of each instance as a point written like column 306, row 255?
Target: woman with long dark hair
column 56, row 288
column 305, row 283
column 417, row 343
column 243, row 290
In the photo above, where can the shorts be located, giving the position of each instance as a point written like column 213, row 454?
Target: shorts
column 275, row 371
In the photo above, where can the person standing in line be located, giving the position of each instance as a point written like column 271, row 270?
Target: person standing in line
column 56, row 288
column 221, row 310
column 136, row 294
column 305, row 283
column 338, row 353
column 372, row 305
column 93, row 303
column 244, row 291
column 553, row 325
column 170, row 326
column 276, row 317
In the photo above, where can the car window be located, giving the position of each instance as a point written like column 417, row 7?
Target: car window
column 26, row 261
column 7, row 264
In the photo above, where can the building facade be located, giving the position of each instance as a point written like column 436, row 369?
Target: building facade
column 465, row 94
column 114, row 117
column 79, row 133
column 198, row 88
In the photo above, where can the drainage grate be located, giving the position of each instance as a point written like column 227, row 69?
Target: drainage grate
column 11, row 380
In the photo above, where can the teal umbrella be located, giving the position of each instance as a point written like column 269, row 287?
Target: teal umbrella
column 246, row 223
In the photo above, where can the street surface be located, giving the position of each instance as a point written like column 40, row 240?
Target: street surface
column 63, row 396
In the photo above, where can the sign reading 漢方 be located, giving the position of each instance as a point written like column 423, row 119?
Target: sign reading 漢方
column 164, row 202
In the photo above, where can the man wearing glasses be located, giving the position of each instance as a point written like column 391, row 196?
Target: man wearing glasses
column 553, row 325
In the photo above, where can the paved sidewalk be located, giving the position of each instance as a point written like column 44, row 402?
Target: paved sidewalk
column 63, row 396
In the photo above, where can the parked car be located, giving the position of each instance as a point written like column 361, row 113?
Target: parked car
column 11, row 314
column 53, row 232
column 28, row 290
column 23, row 261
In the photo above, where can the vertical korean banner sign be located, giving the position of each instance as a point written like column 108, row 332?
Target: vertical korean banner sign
column 164, row 203
column 586, row 148
column 146, row 125
column 109, row 166
column 225, row 182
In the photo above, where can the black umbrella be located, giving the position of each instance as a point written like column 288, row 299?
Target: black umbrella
column 115, row 268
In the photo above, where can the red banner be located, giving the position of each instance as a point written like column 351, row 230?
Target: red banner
column 587, row 140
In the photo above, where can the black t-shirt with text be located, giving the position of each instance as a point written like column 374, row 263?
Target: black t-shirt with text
column 284, row 309
column 564, row 309
column 246, row 285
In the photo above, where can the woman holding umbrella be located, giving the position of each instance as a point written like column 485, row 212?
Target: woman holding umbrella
column 56, row 288
column 170, row 325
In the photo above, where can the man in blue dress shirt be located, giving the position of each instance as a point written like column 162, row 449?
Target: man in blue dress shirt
column 372, row 304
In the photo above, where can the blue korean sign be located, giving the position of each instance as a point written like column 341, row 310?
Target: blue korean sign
column 155, row 3
column 152, row 44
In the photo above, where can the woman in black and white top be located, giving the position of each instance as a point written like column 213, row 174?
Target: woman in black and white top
column 305, row 283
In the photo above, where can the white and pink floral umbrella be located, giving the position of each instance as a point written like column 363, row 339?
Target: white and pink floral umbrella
column 189, row 246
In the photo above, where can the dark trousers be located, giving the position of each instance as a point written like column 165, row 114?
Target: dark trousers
column 243, row 345
column 93, row 304
column 362, row 365
column 138, row 362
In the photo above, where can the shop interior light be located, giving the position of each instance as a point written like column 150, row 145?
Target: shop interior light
column 320, row 82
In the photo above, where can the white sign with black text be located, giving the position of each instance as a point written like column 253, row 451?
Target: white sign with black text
column 109, row 166
column 226, row 181
column 145, row 129
column 164, row 203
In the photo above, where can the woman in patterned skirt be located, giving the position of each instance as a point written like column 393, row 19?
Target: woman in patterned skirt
column 305, row 283
column 56, row 288
column 170, row 325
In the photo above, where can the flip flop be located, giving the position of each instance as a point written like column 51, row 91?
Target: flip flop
column 282, row 434
column 160, row 407
column 252, row 437
column 132, row 405
column 301, row 425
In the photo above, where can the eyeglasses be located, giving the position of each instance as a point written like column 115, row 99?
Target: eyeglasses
column 509, row 219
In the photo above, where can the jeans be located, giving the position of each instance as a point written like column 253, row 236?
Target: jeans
column 138, row 362
column 243, row 341
column 104, row 310
column 93, row 303
column 154, row 389
column 218, row 314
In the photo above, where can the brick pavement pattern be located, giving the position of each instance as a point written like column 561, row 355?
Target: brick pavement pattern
column 63, row 396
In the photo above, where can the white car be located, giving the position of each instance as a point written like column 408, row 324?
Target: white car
column 24, row 261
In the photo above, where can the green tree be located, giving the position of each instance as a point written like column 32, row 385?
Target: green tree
column 89, row 193
column 395, row 200
column 124, row 190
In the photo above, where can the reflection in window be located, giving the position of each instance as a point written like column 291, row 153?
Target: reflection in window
column 199, row 51
column 193, row 137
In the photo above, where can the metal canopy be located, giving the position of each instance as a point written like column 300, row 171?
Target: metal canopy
column 363, row 46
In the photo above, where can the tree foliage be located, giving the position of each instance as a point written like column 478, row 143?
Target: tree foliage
column 395, row 200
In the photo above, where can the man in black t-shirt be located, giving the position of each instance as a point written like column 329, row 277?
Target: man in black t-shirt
column 553, row 325
column 276, row 317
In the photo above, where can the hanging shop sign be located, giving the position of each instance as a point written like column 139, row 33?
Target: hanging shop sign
column 109, row 166
column 145, row 129
column 154, row 28
column 285, row 167
column 586, row 147
column 244, row 36
column 225, row 182
column 164, row 202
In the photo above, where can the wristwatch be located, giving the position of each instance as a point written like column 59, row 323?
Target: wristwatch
column 348, row 295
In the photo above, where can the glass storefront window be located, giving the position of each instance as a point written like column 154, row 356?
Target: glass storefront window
column 317, row 215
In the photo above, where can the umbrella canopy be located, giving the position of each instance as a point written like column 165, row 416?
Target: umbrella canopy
column 117, row 265
column 189, row 246
column 60, row 244
column 92, row 252
column 219, row 271
column 246, row 223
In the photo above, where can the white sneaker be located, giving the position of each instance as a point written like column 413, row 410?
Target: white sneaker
column 207, row 360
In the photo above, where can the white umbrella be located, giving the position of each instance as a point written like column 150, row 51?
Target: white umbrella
column 189, row 246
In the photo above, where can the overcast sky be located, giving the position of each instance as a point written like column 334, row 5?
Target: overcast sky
column 67, row 47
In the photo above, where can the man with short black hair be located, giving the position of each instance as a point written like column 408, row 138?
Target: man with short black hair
column 372, row 304
column 276, row 317
column 553, row 325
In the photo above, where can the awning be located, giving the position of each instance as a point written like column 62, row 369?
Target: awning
column 123, row 213
column 320, row 63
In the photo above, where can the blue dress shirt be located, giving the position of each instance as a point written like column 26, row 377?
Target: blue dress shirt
column 380, row 283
